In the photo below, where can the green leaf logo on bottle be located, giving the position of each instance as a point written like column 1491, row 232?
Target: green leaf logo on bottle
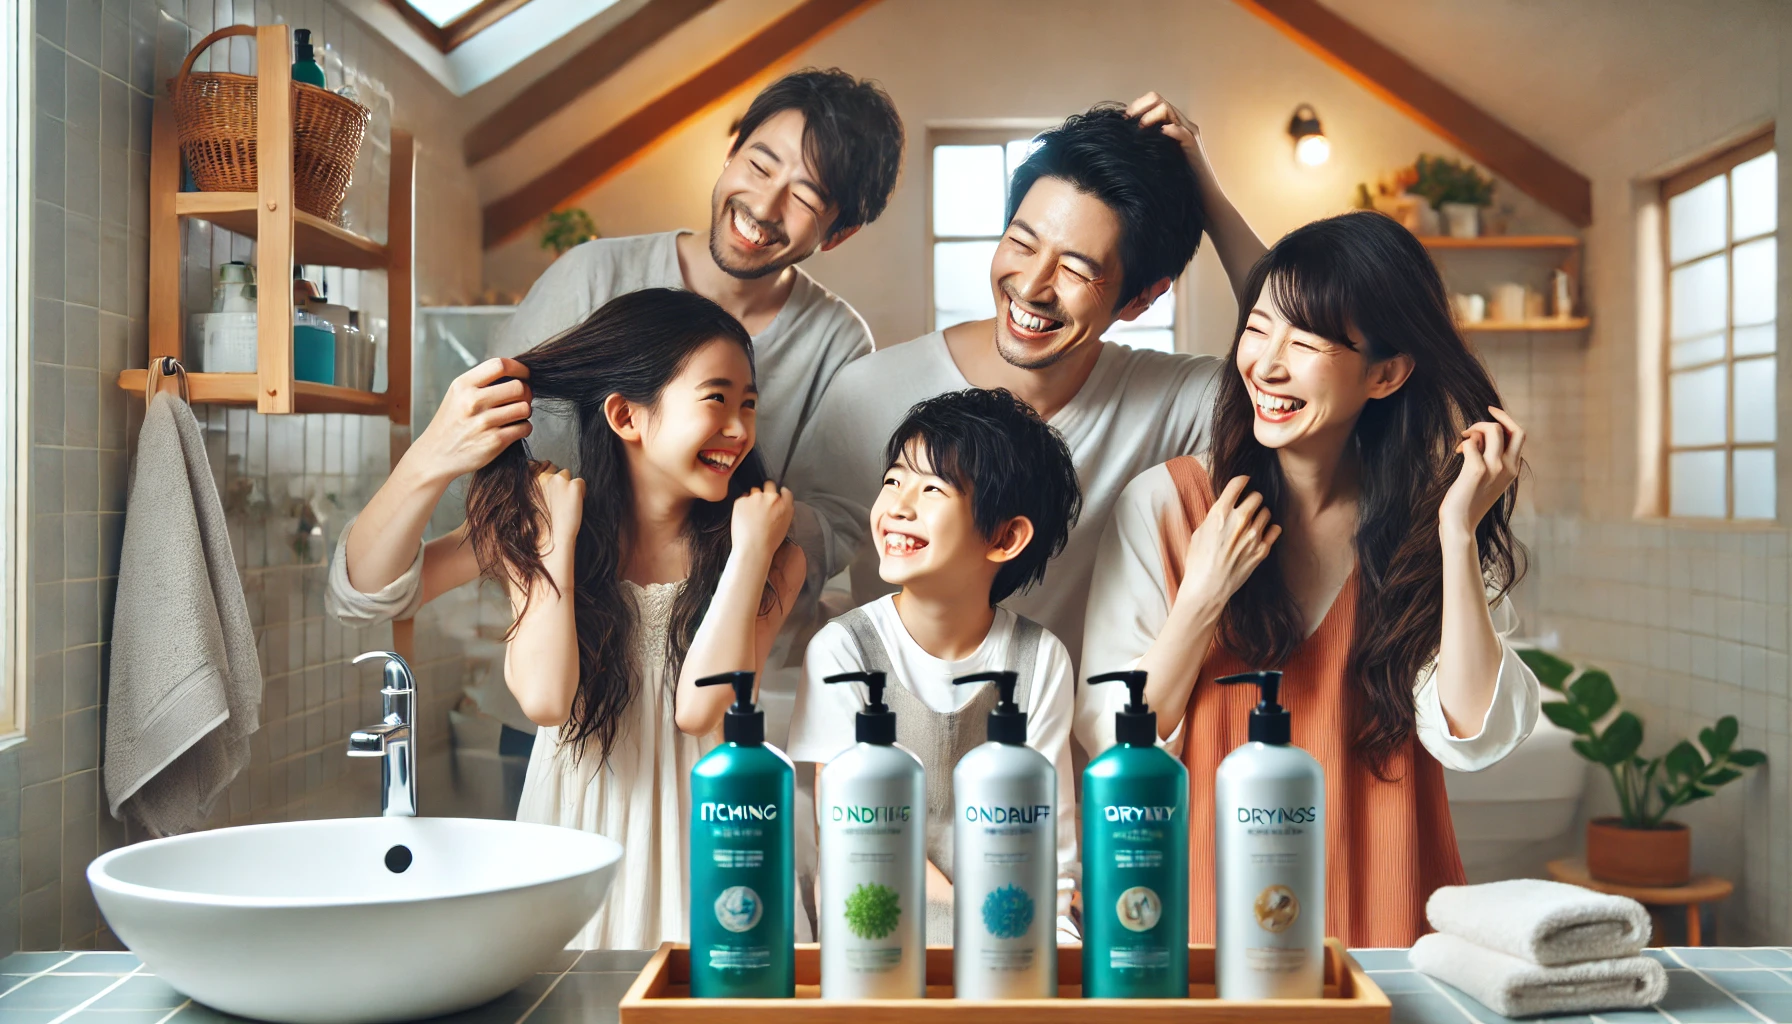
column 1008, row 912
column 872, row 910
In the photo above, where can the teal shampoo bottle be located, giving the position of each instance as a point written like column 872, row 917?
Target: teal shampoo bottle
column 1135, row 860
column 743, row 935
column 304, row 64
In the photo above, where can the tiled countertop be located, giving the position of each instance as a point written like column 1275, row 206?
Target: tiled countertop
column 1705, row 986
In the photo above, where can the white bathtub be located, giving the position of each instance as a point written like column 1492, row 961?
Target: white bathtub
column 1516, row 815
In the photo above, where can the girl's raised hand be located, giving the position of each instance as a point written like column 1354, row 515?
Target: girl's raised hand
column 1490, row 462
column 1152, row 109
column 761, row 520
column 1227, row 547
column 563, row 498
column 481, row 415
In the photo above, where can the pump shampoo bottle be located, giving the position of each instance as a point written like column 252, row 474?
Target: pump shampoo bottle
column 1269, row 849
column 1135, row 860
column 1004, row 861
column 873, row 861
column 743, row 937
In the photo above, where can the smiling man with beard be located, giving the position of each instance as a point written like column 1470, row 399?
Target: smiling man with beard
column 815, row 158
column 1103, row 215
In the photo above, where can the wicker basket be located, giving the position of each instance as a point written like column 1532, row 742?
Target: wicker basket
column 214, row 117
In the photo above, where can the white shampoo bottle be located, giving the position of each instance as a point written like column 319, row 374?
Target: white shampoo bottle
column 1269, row 852
column 873, row 861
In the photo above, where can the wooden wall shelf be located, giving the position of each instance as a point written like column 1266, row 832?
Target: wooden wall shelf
column 1502, row 242
column 314, row 240
column 1579, row 323
column 284, row 237
column 240, row 389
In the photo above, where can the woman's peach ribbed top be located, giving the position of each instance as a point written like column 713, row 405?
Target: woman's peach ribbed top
column 1388, row 845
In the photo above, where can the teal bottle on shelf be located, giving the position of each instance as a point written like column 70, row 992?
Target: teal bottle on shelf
column 304, row 62
column 743, row 930
column 1135, row 860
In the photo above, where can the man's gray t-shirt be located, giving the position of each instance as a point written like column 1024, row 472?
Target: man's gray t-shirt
column 796, row 357
column 1138, row 408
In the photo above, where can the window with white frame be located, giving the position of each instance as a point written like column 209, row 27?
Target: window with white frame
column 970, row 170
column 1720, row 355
column 15, row 305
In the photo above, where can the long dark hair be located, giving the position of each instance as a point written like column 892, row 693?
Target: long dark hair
column 633, row 346
column 1362, row 275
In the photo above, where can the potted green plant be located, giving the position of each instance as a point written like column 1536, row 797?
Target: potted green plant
column 564, row 229
column 1456, row 190
column 1639, row 846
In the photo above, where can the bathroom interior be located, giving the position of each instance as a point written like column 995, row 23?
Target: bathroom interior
column 1641, row 559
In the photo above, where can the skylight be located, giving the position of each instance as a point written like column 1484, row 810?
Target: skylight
column 441, row 12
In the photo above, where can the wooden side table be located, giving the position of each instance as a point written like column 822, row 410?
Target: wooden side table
column 1702, row 889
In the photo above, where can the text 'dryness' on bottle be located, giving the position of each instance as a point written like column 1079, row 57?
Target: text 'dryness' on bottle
column 742, row 885
column 1135, row 860
column 1269, row 860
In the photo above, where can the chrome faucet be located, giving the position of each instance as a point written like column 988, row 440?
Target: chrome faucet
column 394, row 739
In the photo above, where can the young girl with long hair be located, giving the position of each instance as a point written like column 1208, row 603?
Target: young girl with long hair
column 1360, row 542
column 663, row 561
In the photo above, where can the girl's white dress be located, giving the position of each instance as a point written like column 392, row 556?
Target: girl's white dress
column 639, row 796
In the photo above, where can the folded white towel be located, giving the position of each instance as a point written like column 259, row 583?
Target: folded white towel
column 1518, row 988
column 1547, row 923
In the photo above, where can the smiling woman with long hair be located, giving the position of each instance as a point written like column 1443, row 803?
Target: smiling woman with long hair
column 663, row 561
column 1359, row 541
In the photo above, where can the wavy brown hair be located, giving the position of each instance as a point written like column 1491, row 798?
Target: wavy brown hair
column 633, row 346
column 1364, row 281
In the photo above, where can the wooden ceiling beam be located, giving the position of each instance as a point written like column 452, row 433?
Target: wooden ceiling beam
column 578, row 74
column 1433, row 104
column 614, row 149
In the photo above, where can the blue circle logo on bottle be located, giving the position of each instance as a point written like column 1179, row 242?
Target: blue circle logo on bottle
column 1139, row 909
column 738, row 909
column 1008, row 912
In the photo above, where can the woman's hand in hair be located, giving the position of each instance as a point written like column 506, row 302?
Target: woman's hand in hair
column 762, row 520
column 1231, row 542
column 482, row 414
column 1491, row 455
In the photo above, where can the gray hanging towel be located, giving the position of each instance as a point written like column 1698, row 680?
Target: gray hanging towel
column 186, row 679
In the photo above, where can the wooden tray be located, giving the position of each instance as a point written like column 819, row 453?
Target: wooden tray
column 662, row 995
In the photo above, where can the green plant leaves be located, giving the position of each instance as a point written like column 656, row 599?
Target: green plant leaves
column 1550, row 670
column 1718, row 739
column 1621, row 739
column 1748, row 758
column 1568, row 717
column 1594, row 693
column 1684, row 761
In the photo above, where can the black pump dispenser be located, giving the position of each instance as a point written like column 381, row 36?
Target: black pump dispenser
column 743, row 724
column 1135, row 724
column 301, row 45
column 1007, row 723
column 1270, row 722
column 877, row 723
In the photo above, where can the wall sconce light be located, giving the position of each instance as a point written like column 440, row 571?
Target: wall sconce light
column 1311, row 148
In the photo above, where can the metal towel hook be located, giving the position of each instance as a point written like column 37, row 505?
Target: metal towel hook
column 160, row 369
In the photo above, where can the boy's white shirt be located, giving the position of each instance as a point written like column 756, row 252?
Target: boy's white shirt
column 823, row 724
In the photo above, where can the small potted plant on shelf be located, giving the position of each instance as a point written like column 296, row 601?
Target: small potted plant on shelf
column 1639, row 846
column 1456, row 190
column 564, row 229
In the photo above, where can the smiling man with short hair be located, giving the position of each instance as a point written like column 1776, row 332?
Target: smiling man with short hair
column 814, row 159
column 1103, row 215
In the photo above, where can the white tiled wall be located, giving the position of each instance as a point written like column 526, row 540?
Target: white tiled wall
column 97, row 64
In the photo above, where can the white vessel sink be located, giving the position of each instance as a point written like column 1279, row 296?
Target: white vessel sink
column 356, row 920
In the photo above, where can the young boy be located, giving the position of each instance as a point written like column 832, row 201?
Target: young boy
column 978, row 496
